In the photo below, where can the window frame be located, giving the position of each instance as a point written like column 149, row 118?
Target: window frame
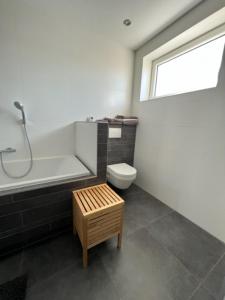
column 185, row 48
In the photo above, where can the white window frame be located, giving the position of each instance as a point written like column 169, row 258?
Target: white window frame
column 193, row 44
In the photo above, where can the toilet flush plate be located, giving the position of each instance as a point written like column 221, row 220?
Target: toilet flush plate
column 115, row 132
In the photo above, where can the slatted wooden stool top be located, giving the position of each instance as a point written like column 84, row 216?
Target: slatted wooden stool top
column 96, row 198
column 98, row 215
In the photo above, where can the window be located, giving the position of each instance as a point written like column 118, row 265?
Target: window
column 194, row 66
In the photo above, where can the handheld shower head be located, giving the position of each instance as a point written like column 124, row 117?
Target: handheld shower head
column 19, row 106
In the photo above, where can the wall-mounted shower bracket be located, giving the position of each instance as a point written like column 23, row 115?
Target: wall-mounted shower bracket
column 8, row 150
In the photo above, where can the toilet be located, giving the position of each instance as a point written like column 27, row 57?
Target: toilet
column 121, row 175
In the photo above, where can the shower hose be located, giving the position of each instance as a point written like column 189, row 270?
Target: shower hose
column 31, row 159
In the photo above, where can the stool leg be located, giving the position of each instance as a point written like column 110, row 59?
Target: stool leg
column 85, row 257
column 119, row 240
column 74, row 230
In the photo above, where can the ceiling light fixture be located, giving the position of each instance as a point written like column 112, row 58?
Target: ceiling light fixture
column 127, row 22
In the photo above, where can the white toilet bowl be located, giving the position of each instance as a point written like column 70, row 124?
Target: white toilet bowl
column 121, row 175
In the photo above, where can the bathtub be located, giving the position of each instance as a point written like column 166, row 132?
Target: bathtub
column 45, row 171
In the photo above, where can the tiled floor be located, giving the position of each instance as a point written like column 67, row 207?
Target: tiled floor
column 164, row 257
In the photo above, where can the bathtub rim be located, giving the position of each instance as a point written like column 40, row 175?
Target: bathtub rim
column 48, row 183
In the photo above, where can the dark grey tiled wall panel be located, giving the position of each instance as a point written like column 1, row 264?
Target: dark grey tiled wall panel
column 122, row 150
column 9, row 222
column 32, row 216
column 102, row 150
column 40, row 214
column 32, row 202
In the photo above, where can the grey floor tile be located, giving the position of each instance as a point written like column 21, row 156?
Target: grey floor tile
column 141, row 209
column 202, row 294
column 215, row 281
column 181, row 285
column 143, row 269
column 43, row 261
column 76, row 283
column 11, row 267
column 194, row 247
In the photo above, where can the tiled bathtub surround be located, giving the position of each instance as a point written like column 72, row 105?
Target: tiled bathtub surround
column 121, row 150
column 31, row 216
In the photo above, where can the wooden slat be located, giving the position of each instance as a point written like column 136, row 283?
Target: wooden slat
column 102, row 196
column 115, row 196
column 107, row 217
column 92, row 199
column 104, row 225
column 89, row 187
column 102, row 217
column 107, row 194
column 100, row 203
column 103, row 210
column 103, row 234
column 82, row 208
column 102, row 230
column 109, row 191
column 87, row 199
column 92, row 244
column 99, row 197
column 87, row 208
column 113, row 193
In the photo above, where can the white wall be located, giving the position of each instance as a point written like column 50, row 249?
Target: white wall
column 61, row 69
column 180, row 145
column 86, row 144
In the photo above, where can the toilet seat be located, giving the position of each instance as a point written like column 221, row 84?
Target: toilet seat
column 122, row 171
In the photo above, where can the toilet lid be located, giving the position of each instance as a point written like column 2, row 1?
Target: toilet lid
column 121, row 170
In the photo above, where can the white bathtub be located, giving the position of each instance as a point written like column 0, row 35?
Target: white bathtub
column 45, row 170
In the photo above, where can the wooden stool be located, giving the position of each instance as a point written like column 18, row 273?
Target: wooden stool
column 97, row 216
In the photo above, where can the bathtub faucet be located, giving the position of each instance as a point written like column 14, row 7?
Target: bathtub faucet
column 8, row 150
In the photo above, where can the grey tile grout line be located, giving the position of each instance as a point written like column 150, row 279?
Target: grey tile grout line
column 111, row 278
column 167, row 250
column 176, row 258
column 161, row 217
column 153, row 221
column 211, row 270
column 206, row 276
column 201, row 281
column 195, row 291
column 164, row 247
column 219, row 260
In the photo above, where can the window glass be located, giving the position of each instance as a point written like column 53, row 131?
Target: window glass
column 193, row 70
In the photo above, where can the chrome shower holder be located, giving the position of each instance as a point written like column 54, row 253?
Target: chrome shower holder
column 8, row 150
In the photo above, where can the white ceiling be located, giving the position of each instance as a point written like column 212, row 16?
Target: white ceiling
column 148, row 17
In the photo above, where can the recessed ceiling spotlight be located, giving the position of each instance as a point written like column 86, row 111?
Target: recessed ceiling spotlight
column 127, row 22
